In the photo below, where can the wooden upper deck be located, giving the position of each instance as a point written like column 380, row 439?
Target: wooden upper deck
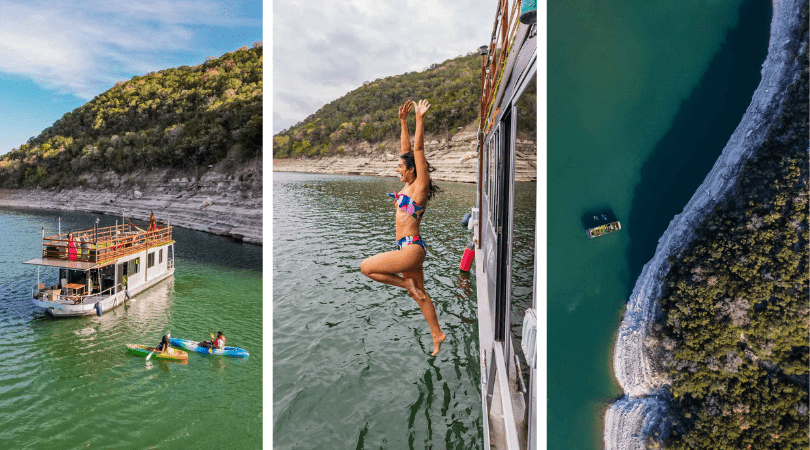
column 103, row 245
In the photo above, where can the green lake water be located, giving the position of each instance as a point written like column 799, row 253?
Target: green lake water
column 351, row 357
column 642, row 97
column 70, row 384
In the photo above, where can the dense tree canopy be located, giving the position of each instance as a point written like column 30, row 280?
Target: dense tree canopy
column 736, row 306
column 173, row 118
column 369, row 113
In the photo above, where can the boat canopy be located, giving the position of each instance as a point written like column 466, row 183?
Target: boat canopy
column 62, row 263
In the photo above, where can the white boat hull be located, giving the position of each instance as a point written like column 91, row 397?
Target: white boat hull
column 57, row 309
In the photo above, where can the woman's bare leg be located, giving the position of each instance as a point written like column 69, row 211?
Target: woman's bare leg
column 428, row 310
column 385, row 267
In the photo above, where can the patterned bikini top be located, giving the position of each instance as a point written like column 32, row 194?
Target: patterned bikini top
column 407, row 204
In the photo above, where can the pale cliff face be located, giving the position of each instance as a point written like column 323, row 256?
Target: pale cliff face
column 450, row 158
column 225, row 200
column 644, row 409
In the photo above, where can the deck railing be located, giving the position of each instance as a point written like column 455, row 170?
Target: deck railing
column 77, row 298
column 494, row 60
column 104, row 244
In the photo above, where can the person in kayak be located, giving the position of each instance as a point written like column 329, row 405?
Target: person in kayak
column 403, row 267
column 163, row 347
column 219, row 342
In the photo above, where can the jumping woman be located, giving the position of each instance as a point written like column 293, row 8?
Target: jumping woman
column 403, row 267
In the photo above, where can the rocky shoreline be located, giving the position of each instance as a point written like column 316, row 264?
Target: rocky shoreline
column 225, row 200
column 643, row 411
column 453, row 158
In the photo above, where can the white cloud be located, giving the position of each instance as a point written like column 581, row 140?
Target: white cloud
column 83, row 48
column 324, row 49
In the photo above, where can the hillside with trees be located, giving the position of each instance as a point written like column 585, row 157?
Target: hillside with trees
column 369, row 113
column 735, row 338
column 177, row 118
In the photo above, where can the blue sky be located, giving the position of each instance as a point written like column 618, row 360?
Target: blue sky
column 56, row 56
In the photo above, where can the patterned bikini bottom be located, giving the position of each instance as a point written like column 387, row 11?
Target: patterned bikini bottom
column 408, row 240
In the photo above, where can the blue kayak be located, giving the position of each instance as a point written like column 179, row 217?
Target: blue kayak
column 193, row 347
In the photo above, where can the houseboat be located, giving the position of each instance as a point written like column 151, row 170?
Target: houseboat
column 603, row 229
column 508, row 391
column 101, row 268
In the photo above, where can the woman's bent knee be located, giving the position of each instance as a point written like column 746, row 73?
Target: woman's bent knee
column 365, row 267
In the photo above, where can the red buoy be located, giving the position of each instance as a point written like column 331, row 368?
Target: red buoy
column 467, row 259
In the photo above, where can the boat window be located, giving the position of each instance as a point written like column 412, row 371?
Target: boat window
column 488, row 192
column 493, row 182
column 485, row 160
column 150, row 260
column 522, row 295
column 134, row 266
column 107, row 277
column 498, row 178
column 160, row 256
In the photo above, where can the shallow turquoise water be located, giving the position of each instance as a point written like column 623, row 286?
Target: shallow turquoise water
column 642, row 97
column 69, row 383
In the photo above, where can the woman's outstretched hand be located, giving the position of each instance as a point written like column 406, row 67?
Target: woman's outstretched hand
column 405, row 109
column 421, row 108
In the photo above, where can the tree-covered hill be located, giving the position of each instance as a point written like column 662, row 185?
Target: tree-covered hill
column 175, row 118
column 369, row 113
column 736, row 333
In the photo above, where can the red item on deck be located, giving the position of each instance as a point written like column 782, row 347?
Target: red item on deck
column 467, row 259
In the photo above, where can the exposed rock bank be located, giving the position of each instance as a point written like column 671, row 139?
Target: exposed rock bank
column 225, row 200
column 445, row 155
column 630, row 420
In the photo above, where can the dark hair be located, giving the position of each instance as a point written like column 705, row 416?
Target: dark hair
column 219, row 333
column 409, row 161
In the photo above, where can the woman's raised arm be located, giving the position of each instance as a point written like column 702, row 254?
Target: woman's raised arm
column 405, row 138
column 419, row 145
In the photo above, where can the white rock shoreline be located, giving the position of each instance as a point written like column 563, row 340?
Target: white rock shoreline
column 644, row 408
column 224, row 201
column 447, row 156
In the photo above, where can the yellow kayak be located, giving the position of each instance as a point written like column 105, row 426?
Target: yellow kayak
column 172, row 354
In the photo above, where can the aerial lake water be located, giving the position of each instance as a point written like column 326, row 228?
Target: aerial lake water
column 642, row 97
column 70, row 383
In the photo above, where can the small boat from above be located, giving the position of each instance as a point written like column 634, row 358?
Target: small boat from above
column 603, row 229
column 170, row 354
column 194, row 346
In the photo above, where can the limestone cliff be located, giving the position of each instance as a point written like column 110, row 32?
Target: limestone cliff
column 225, row 200
column 630, row 420
column 447, row 155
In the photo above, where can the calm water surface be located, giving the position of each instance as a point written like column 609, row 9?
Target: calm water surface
column 351, row 357
column 642, row 97
column 69, row 383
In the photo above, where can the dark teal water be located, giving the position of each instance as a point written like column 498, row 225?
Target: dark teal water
column 642, row 97
column 70, row 384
